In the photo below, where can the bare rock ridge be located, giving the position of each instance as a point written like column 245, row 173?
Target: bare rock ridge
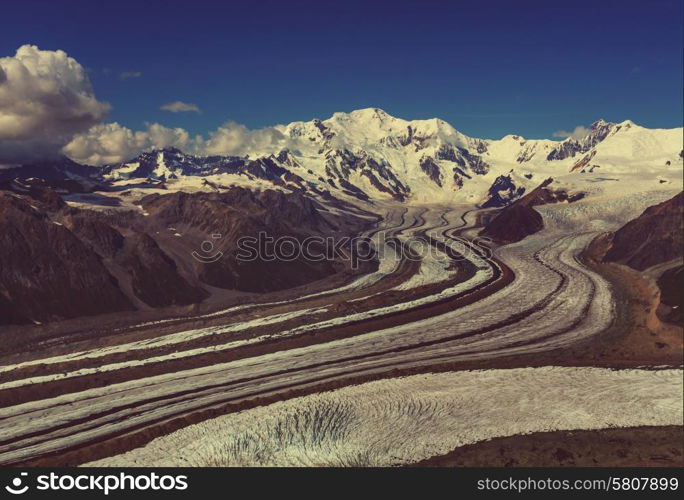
column 652, row 238
column 241, row 213
column 597, row 132
column 46, row 271
column 502, row 192
column 60, row 262
column 518, row 220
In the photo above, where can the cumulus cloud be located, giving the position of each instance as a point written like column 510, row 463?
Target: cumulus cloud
column 164, row 137
column 130, row 74
column 48, row 107
column 579, row 132
column 105, row 143
column 113, row 143
column 235, row 139
column 180, row 106
column 45, row 99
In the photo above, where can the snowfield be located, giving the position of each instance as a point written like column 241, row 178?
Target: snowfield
column 601, row 213
column 404, row 420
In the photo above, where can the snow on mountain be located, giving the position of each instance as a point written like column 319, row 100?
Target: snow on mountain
column 369, row 154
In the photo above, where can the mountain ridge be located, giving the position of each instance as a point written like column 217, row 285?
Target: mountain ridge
column 368, row 154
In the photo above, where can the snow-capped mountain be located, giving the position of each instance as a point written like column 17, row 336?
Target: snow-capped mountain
column 368, row 154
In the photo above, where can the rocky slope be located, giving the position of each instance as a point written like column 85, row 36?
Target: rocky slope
column 240, row 215
column 518, row 220
column 670, row 284
column 652, row 238
column 46, row 272
column 59, row 261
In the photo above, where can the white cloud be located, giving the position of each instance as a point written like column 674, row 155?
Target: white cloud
column 130, row 74
column 112, row 143
column 105, row 143
column 45, row 99
column 235, row 139
column 47, row 107
column 179, row 107
column 163, row 137
column 579, row 132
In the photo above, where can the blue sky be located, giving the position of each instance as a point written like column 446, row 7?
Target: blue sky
column 488, row 68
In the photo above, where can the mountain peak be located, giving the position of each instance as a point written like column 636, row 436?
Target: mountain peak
column 367, row 152
column 364, row 115
column 371, row 113
column 513, row 137
column 599, row 124
column 627, row 123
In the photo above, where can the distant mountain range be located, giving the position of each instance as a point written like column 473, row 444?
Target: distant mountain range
column 368, row 154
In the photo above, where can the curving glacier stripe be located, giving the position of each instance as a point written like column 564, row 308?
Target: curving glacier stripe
column 404, row 420
column 483, row 274
column 564, row 301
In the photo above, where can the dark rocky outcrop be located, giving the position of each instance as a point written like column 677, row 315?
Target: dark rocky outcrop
column 154, row 275
column 671, row 283
column 46, row 271
column 652, row 238
column 513, row 224
column 104, row 239
column 464, row 158
column 59, row 262
column 502, row 192
column 597, row 132
column 61, row 170
column 340, row 163
column 519, row 219
column 431, row 169
column 241, row 215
